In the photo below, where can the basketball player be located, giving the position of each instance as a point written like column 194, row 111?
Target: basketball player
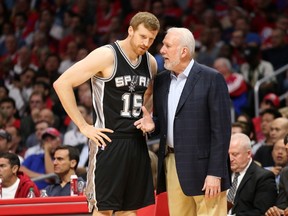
column 119, row 175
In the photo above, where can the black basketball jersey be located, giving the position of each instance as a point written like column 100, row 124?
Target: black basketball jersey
column 117, row 101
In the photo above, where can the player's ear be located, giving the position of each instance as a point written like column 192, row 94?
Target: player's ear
column 130, row 31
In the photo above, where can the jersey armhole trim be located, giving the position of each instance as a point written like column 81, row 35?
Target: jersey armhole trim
column 114, row 68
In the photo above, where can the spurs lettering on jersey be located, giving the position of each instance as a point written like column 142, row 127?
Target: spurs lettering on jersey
column 132, row 81
column 131, row 98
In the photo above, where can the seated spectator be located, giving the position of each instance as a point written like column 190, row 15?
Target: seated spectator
column 256, row 68
column 238, row 127
column 243, row 23
column 266, row 118
column 3, row 119
column 33, row 142
column 21, row 89
column 65, row 162
column 84, row 95
column 6, row 142
column 247, row 120
column 44, row 88
column 73, row 136
column 49, row 116
column 4, row 92
column 241, row 127
column 255, row 191
column 5, row 138
column 69, row 57
column 15, row 184
column 8, row 106
column 280, row 158
column 237, row 44
column 276, row 53
column 15, row 143
column 278, row 130
column 270, row 101
column 50, row 69
column 209, row 50
column 236, row 84
column 36, row 103
column 282, row 199
column 38, row 164
column 10, row 49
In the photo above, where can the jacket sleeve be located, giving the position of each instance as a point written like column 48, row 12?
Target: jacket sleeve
column 219, row 108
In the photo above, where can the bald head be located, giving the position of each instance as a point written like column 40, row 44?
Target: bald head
column 278, row 129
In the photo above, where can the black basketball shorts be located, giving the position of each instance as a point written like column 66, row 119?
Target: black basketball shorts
column 123, row 177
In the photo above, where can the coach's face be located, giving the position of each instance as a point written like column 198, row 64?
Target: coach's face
column 171, row 52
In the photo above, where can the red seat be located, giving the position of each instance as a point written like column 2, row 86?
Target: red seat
column 160, row 208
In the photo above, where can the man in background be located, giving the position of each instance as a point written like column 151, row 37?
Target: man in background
column 5, row 138
column 65, row 162
column 15, row 184
column 253, row 188
column 36, row 165
column 278, row 130
column 282, row 199
column 191, row 110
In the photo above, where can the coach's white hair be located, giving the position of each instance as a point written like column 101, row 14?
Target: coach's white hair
column 186, row 38
column 241, row 139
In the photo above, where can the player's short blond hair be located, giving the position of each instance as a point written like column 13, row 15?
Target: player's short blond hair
column 149, row 20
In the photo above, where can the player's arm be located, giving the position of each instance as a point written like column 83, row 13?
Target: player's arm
column 100, row 63
column 146, row 123
column 148, row 96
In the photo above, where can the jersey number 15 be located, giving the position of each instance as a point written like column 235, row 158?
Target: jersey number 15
column 132, row 104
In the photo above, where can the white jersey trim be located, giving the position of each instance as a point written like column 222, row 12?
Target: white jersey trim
column 127, row 59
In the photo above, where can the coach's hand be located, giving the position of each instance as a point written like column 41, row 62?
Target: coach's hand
column 212, row 186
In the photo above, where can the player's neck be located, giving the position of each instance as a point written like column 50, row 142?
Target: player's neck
column 128, row 51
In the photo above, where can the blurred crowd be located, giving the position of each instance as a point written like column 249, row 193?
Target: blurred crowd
column 245, row 40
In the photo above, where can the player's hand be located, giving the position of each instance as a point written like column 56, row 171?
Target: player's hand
column 212, row 186
column 146, row 123
column 97, row 135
